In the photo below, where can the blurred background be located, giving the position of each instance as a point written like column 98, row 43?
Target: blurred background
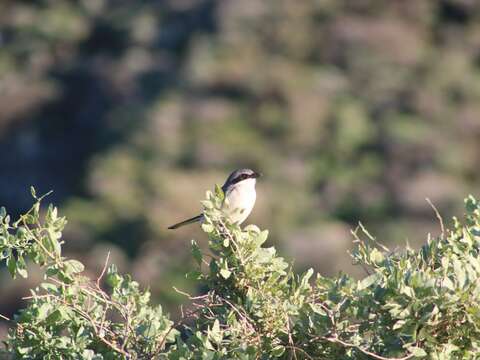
column 130, row 110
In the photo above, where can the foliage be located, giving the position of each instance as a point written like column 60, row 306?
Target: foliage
column 360, row 109
column 70, row 316
column 412, row 304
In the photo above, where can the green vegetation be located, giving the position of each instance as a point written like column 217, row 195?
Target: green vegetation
column 70, row 316
column 411, row 305
column 354, row 110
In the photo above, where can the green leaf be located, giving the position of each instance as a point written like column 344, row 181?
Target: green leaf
column 208, row 228
column 43, row 311
column 225, row 273
column 265, row 255
column 113, row 278
column 12, row 266
column 73, row 266
column 194, row 275
column 399, row 324
column 213, row 266
column 306, row 277
column 22, row 267
column 214, row 333
column 49, row 287
column 459, row 273
column 55, row 316
column 278, row 351
column 90, row 355
column 207, row 204
column 318, row 309
column 24, row 350
column 368, row 281
column 417, row 351
column 470, row 204
column 196, row 252
column 219, row 192
column 52, row 270
column 448, row 283
column 5, row 253
column 261, row 238
column 252, row 228
column 51, row 241
column 376, row 256
column 33, row 192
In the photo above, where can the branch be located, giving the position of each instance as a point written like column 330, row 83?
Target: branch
column 437, row 214
column 335, row 339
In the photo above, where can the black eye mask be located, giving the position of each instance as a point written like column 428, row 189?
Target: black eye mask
column 243, row 177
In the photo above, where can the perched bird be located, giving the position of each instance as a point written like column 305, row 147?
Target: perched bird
column 240, row 196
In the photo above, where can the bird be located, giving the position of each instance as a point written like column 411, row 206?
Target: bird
column 240, row 196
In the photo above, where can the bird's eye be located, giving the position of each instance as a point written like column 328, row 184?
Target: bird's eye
column 240, row 178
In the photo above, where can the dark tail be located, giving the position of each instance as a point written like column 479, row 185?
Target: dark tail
column 186, row 222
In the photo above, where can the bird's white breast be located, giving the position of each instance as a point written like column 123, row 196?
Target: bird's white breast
column 240, row 199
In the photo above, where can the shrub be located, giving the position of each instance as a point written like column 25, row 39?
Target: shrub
column 70, row 316
column 412, row 304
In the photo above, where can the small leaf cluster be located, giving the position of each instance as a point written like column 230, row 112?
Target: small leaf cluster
column 24, row 239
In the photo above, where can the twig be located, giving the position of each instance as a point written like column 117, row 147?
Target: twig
column 335, row 339
column 365, row 351
column 225, row 232
column 103, row 270
column 296, row 348
column 190, row 297
column 173, row 326
column 439, row 217
column 95, row 329
column 39, row 242
column 372, row 238
column 4, row 317
column 290, row 340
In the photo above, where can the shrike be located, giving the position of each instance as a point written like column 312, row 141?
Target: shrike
column 240, row 196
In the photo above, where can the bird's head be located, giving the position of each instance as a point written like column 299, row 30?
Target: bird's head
column 241, row 175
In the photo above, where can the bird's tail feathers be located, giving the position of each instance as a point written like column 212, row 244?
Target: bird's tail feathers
column 186, row 222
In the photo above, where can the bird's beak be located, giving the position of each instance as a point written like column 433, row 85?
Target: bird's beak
column 257, row 174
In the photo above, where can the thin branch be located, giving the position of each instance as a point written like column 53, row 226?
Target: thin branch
column 103, row 270
column 190, row 297
column 39, row 242
column 296, row 348
column 38, row 296
column 365, row 351
column 372, row 238
column 437, row 213
column 290, row 340
column 225, row 232
column 97, row 332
